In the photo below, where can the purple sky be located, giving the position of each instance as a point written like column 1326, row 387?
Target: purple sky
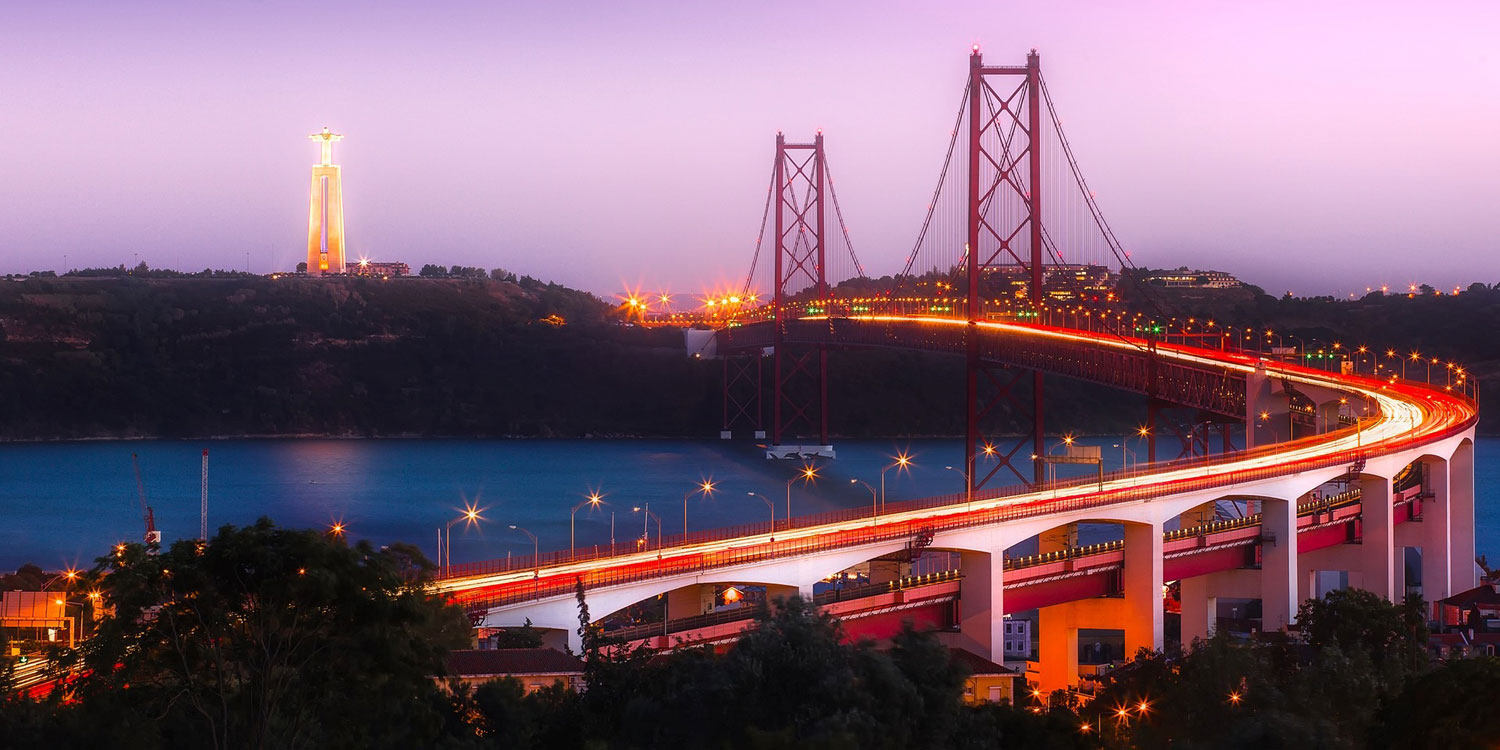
column 1317, row 147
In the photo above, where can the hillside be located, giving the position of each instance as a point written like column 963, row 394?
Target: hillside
column 214, row 356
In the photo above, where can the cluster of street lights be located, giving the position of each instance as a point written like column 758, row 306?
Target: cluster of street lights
column 471, row 514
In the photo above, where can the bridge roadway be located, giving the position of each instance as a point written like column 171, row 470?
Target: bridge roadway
column 1410, row 423
column 877, row 608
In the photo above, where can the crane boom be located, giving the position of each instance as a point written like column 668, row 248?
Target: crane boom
column 152, row 535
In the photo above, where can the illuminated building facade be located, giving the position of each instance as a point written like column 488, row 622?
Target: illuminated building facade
column 1182, row 278
column 385, row 269
column 325, row 215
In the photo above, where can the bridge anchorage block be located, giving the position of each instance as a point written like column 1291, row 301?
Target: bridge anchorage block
column 799, row 452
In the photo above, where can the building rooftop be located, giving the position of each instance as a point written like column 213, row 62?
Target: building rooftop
column 978, row 665
column 507, row 661
column 1481, row 595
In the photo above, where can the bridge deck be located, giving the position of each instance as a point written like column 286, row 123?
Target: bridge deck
column 1409, row 415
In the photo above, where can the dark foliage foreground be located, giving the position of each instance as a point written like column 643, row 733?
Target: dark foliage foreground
column 270, row 638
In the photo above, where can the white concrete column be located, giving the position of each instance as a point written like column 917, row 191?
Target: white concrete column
column 1278, row 564
column 981, row 604
column 1377, row 558
column 1463, row 573
column 1199, row 610
column 1142, row 579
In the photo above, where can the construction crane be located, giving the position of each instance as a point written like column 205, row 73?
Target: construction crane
column 152, row 535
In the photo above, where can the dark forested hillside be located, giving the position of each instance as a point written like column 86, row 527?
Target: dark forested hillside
column 179, row 357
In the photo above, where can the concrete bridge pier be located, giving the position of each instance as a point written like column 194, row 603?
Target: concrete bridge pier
column 1463, row 573
column 1436, row 526
column 1377, row 556
column 1138, row 612
column 981, row 604
column 1279, row 596
column 1200, row 597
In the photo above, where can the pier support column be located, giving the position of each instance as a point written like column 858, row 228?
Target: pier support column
column 1462, row 572
column 1142, row 579
column 1200, row 610
column 1437, row 554
column 688, row 601
column 1201, row 595
column 981, row 604
column 1377, row 557
column 1058, row 627
column 1278, row 564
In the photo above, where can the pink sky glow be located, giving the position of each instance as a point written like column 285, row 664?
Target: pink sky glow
column 1320, row 147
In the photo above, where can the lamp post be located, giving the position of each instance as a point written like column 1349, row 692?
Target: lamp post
column 706, row 488
column 470, row 517
column 70, row 575
column 808, row 474
column 594, row 499
column 770, row 506
column 968, row 487
column 1067, row 441
column 646, row 528
column 902, row 463
column 874, row 507
column 536, row 552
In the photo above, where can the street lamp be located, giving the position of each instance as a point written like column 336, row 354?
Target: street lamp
column 706, row 487
column 646, row 528
column 594, row 500
column 470, row 517
column 874, row 508
column 536, row 552
column 902, row 463
column 808, row 474
column 968, row 487
column 769, row 505
column 70, row 575
column 1067, row 441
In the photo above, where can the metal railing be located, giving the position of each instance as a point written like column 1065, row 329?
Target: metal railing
column 841, row 594
column 675, row 553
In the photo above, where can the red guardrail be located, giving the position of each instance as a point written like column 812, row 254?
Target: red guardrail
column 675, row 555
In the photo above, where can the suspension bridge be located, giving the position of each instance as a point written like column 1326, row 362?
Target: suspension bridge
column 1338, row 470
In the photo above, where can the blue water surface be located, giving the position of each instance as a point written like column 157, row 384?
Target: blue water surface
column 68, row 503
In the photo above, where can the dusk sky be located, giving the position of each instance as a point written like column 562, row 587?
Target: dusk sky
column 1316, row 147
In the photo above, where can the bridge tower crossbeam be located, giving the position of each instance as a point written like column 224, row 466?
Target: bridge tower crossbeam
column 799, row 388
column 1002, row 205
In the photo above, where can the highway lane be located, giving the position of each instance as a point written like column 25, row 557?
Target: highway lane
column 1404, row 413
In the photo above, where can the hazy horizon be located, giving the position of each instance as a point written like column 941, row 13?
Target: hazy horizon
column 1320, row 149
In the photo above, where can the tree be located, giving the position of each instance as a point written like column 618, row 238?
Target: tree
column 302, row 267
column 1451, row 706
column 525, row 636
column 1355, row 620
column 267, row 637
column 430, row 271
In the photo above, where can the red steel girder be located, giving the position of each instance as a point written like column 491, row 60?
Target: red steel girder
column 799, row 184
column 1004, row 123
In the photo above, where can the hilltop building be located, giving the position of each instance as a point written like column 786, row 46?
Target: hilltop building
column 1182, row 278
column 385, row 269
column 1060, row 282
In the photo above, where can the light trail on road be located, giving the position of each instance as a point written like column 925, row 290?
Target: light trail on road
column 1404, row 414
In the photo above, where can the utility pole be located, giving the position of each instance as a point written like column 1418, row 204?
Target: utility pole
column 203, row 502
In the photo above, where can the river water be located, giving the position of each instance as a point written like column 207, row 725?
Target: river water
column 68, row 503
